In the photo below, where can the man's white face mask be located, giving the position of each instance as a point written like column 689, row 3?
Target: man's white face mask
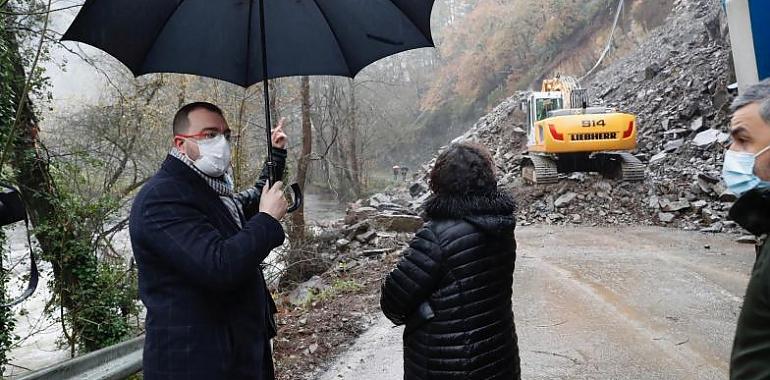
column 214, row 157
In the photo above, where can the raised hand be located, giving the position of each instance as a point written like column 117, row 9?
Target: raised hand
column 279, row 138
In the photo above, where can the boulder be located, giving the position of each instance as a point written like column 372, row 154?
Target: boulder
column 709, row 137
column 675, row 206
column 675, row 134
column 696, row 125
column 714, row 228
column 378, row 199
column 603, row 186
column 672, row 146
column 393, row 207
column 357, row 229
column 727, row 196
column 658, row 157
column 653, row 203
column 366, row 237
column 708, row 184
column 327, row 236
column 342, row 243
column 305, row 290
column 554, row 217
column 699, row 205
column 356, row 215
column 399, row 222
column 666, row 217
column 651, row 71
column 565, row 200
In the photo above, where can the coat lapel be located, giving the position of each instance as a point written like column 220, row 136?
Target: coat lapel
column 176, row 168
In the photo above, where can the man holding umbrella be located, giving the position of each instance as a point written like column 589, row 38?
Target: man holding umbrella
column 198, row 247
column 185, row 231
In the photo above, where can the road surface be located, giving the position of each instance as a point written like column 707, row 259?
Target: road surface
column 598, row 303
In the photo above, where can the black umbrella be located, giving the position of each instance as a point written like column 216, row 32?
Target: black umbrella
column 248, row 41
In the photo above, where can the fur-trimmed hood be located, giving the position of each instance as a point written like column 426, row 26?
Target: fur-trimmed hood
column 493, row 213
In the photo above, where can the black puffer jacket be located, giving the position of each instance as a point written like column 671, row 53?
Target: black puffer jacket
column 453, row 291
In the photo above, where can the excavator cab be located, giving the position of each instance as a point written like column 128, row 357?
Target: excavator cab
column 545, row 105
column 538, row 107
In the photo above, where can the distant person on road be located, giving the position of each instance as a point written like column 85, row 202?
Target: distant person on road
column 746, row 172
column 199, row 250
column 404, row 172
column 396, row 172
column 453, row 287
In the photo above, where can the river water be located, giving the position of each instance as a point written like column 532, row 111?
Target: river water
column 322, row 207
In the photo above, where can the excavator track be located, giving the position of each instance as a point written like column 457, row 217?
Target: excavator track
column 540, row 170
column 633, row 169
column 620, row 166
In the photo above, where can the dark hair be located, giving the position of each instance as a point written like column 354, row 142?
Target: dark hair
column 758, row 93
column 464, row 169
column 182, row 119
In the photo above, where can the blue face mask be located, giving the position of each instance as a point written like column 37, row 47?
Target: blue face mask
column 738, row 172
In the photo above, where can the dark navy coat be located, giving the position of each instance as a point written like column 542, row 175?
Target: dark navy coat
column 209, row 313
column 751, row 349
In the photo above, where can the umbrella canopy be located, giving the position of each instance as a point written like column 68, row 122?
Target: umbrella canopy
column 223, row 38
column 248, row 41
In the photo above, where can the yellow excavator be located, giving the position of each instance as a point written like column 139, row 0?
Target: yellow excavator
column 565, row 135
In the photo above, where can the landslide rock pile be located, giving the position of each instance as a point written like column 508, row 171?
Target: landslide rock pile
column 677, row 84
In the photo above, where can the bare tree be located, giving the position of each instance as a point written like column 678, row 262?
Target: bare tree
column 298, row 217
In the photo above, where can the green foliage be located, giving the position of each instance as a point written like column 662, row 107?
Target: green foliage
column 338, row 288
column 7, row 109
column 98, row 294
column 6, row 92
column 7, row 321
column 94, row 292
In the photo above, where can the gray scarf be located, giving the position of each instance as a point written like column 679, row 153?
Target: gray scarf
column 222, row 186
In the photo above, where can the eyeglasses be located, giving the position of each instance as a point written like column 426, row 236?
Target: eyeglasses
column 208, row 135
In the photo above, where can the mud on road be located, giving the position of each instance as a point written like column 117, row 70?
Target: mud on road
column 598, row 303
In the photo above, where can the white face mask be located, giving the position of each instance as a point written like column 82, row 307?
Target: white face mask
column 214, row 157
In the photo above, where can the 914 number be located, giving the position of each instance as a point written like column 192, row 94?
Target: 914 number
column 594, row 123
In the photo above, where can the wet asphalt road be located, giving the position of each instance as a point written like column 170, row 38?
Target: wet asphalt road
column 598, row 303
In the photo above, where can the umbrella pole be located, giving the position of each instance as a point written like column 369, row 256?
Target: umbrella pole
column 266, row 92
column 272, row 175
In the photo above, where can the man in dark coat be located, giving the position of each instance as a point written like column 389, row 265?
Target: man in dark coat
column 747, row 173
column 198, row 250
column 453, row 287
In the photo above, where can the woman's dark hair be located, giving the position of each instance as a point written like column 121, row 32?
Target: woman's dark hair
column 464, row 169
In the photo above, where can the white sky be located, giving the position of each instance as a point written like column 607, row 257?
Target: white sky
column 79, row 82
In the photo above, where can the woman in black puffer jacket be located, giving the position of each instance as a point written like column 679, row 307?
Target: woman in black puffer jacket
column 453, row 286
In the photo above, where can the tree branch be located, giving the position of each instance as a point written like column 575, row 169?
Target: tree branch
column 38, row 13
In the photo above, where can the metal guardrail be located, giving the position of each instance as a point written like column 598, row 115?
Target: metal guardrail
column 111, row 363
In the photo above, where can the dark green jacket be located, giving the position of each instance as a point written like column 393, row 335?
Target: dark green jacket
column 751, row 349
